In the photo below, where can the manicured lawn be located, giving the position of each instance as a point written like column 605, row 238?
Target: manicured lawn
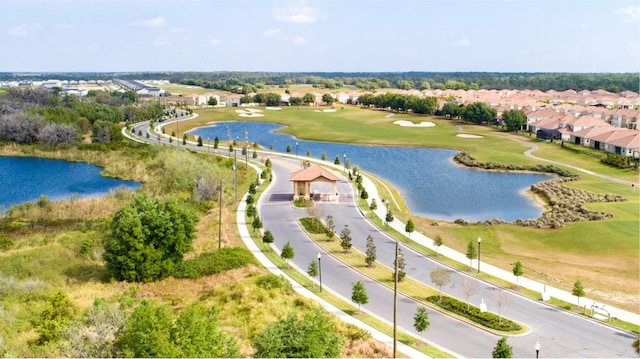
column 604, row 255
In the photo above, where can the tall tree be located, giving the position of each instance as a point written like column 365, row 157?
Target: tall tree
column 328, row 99
column 359, row 294
column 514, row 119
column 518, row 271
column 371, row 252
column 345, row 238
column 440, row 277
column 401, row 265
column 409, row 227
column 330, row 226
column 502, row 349
column 147, row 238
column 471, row 252
column 287, row 253
column 479, row 112
column 421, row 320
column 469, row 286
column 309, row 98
column 502, row 298
column 578, row 290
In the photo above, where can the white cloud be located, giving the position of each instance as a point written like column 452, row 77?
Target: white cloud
column 462, row 43
column 177, row 30
column 150, row 23
column 161, row 42
column 629, row 14
column 214, row 42
column 297, row 40
column 271, row 32
column 23, row 30
column 298, row 13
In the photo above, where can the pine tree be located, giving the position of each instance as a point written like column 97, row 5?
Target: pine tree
column 345, row 238
column 401, row 264
column 371, row 252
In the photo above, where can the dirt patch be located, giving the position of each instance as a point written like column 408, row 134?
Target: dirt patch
column 405, row 123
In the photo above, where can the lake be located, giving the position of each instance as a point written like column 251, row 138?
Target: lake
column 27, row 178
column 432, row 185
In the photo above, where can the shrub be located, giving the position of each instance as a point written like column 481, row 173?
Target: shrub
column 213, row 263
column 487, row 319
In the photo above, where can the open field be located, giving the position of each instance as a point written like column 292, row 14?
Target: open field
column 604, row 255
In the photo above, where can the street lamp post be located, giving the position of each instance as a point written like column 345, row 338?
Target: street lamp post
column 344, row 157
column 395, row 304
column 479, row 241
column 296, row 149
column 537, row 347
column 320, row 270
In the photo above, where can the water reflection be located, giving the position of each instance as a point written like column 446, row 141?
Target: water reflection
column 432, row 184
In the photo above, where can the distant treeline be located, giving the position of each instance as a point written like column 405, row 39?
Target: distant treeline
column 241, row 82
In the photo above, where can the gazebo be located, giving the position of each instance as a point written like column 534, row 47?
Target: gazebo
column 303, row 178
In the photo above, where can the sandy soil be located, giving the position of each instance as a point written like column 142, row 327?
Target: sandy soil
column 466, row 135
column 404, row 123
column 273, row 108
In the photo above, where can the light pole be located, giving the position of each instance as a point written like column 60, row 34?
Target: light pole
column 296, row 149
column 395, row 304
column 344, row 157
column 209, row 142
column 537, row 347
column 479, row 241
column 320, row 270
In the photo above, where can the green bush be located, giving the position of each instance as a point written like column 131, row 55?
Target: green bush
column 313, row 225
column 5, row 243
column 213, row 263
column 487, row 319
column 272, row 281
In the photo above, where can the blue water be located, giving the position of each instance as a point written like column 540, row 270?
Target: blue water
column 25, row 179
column 432, row 184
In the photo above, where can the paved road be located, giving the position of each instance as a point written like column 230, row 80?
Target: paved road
column 560, row 334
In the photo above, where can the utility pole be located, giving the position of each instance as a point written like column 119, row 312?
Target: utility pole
column 220, row 217
column 246, row 148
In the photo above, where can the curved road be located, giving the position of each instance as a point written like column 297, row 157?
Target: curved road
column 560, row 334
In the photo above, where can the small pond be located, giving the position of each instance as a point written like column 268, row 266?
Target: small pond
column 25, row 179
column 432, row 184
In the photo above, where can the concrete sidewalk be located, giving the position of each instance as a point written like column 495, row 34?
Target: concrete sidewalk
column 417, row 237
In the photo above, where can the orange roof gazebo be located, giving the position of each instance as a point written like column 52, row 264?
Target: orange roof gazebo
column 303, row 178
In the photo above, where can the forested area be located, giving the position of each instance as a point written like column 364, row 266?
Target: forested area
column 41, row 116
column 247, row 82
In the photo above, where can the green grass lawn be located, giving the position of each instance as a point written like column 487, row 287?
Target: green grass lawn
column 602, row 254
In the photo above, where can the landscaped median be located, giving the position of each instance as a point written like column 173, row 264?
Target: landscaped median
column 415, row 290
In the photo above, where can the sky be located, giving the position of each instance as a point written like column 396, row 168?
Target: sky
column 320, row 36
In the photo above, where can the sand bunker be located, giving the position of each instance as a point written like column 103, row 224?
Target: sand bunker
column 465, row 135
column 404, row 123
column 249, row 112
column 273, row 108
column 327, row 110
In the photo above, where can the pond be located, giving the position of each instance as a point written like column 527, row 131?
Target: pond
column 432, row 185
column 27, row 178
